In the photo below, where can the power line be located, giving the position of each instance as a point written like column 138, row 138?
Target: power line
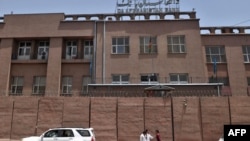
column 241, row 22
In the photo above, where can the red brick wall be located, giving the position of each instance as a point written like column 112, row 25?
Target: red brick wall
column 179, row 118
column 24, row 116
column 214, row 113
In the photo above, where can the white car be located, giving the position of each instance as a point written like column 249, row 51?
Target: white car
column 64, row 134
column 221, row 138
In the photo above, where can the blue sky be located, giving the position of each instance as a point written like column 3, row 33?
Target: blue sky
column 210, row 12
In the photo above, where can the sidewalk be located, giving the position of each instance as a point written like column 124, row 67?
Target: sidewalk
column 9, row 140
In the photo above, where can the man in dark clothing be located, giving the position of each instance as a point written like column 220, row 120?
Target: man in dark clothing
column 157, row 136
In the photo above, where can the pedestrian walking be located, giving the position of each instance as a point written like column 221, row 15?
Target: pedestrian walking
column 157, row 135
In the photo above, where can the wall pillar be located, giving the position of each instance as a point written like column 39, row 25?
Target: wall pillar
column 235, row 65
column 53, row 80
column 5, row 61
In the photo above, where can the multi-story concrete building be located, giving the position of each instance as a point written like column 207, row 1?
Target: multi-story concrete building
column 58, row 54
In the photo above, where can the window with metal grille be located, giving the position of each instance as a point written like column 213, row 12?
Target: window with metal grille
column 149, row 78
column 179, row 78
column 17, row 85
column 120, row 78
column 85, row 81
column 39, row 85
column 67, row 82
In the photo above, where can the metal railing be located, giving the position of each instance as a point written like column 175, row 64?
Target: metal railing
column 136, row 92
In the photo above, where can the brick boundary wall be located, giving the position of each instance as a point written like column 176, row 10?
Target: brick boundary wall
column 122, row 119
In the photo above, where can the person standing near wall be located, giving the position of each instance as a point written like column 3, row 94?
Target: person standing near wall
column 157, row 135
column 142, row 136
column 145, row 136
column 148, row 136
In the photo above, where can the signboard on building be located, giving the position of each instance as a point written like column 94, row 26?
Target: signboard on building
column 147, row 6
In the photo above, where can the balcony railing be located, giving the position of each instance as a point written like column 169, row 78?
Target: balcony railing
column 130, row 92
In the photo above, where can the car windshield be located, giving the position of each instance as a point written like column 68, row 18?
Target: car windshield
column 84, row 133
column 51, row 133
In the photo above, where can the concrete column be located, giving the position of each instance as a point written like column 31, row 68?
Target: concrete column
column 5, row 61
column 212, row 30
column 192, row 15
column 53, row 80
column 176, row 16
column 147, row 16
column 162, row 16
column 132, row 17
column 241, row 30
column 237, row 80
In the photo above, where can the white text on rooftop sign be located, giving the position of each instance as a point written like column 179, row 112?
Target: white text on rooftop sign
column 147, row 6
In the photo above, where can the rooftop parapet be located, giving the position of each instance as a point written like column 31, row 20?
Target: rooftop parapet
column 128, row 16
column 225, row 30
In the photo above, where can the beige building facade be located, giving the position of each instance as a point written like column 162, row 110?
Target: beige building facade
column 56, row 54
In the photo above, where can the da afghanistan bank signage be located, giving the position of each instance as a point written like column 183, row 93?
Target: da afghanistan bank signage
column 147, row 6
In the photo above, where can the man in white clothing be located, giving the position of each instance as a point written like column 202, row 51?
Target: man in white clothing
column 145, row 136
column 142, row 136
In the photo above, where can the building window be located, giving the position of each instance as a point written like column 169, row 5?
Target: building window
column 67, row 84
column 88, row 49
column 248, row 81
column 120, row 45
column 215, row 54
column 17, row 85
column 43, row 50
column 149, row 78
column 176, row 44
column 85, row 81
column 179, row 78
column 71, row 49
column 246, row 53
column 24, row 50
column 39, row 85
column 148, row 45
column 120, row 78
column 224, row 80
